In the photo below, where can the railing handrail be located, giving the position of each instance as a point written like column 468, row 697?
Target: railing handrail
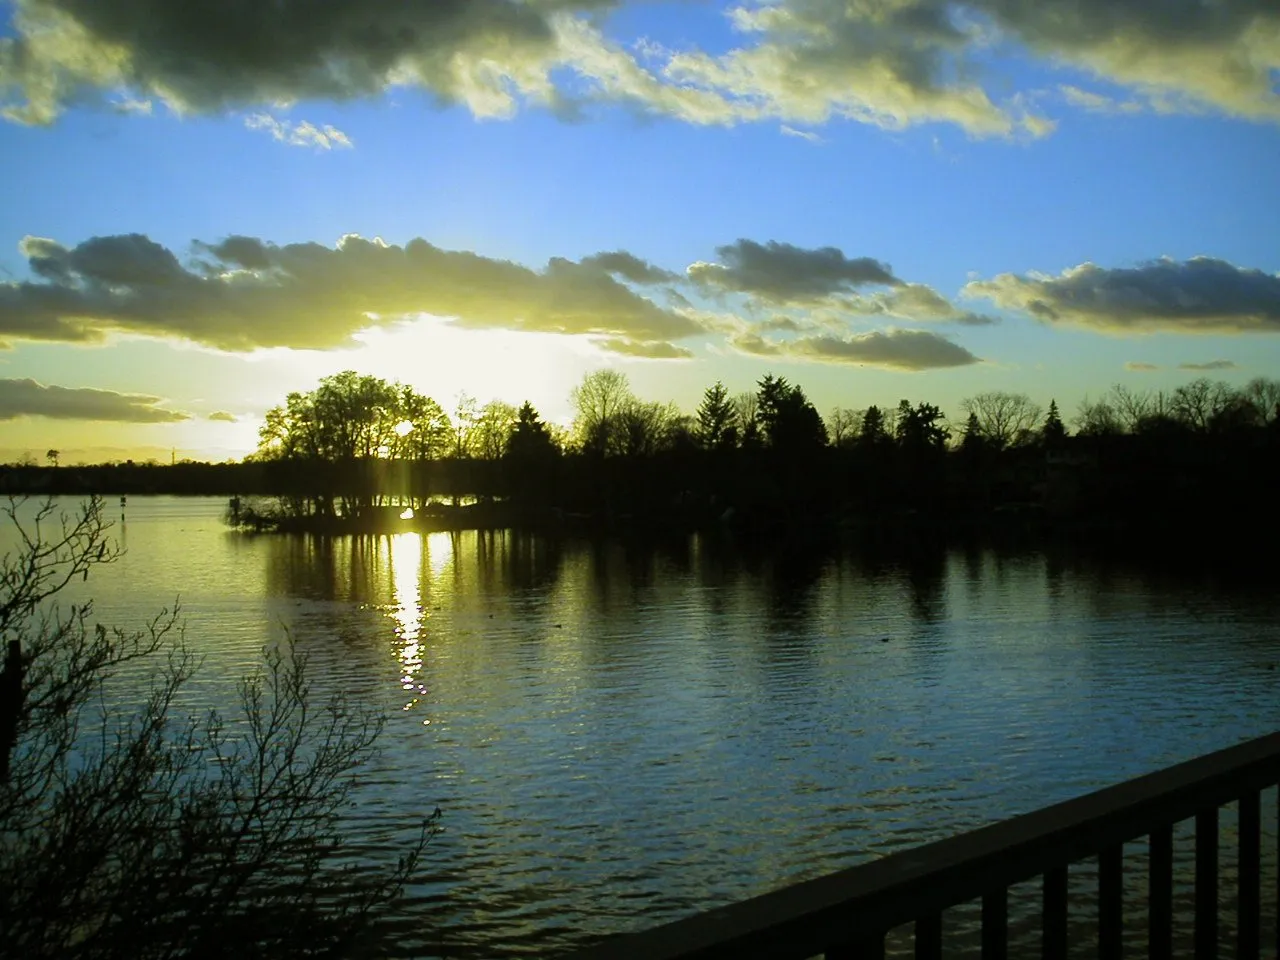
column 807, row 918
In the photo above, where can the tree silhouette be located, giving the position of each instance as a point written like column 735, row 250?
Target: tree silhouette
column 1005, row 418
column 597, row 401
column 492, row 429
column 842, row 427
column 714, row 424
column 920, row 429
column 1053, row 432
column 788, row 421
column 874, row 433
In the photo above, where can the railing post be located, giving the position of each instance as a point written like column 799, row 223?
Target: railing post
column 1250, row 877
column 864, row 948
column 1206, row 936
column 995, row 924
column 1054, row 918
column 1110, row 902
column 1160, row 894
column 929, row 937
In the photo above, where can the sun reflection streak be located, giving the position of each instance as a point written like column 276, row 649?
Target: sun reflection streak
column 439, row 552
column 406, row 586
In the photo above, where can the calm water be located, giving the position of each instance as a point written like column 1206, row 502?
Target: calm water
column 620, row 735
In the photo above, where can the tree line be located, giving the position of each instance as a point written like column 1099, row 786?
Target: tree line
column 765, row 456
column 358, row 447
column 350, row 416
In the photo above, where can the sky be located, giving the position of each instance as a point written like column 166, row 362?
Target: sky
column 206, row 205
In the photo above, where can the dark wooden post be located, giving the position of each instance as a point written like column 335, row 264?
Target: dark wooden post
column 11, row 697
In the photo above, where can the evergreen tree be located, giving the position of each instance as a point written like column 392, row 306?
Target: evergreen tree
column 530, row 440
column 873, row 433
column 788, row 421
column 715, row 428
column 919, row 428
column 1053, row 431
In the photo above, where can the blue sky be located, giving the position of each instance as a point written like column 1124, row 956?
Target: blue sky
column 762, row 161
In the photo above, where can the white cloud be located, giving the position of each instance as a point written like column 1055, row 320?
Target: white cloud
column 303, row 134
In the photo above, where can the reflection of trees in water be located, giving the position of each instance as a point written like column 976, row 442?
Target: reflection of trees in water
column 926, row 569
column 623, row 572
column 789, row 577
column 360, row 568
column 322, row 567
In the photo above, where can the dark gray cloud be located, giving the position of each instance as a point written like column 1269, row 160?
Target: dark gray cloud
column 910, row 350
column 782, row 273
column 222, row 416
column 796, row 62
column 1220, row 53
column 27, row 398
column 242, row 293
column 1201, row 295
column 210, row 55
column 1141, row 366
column 1209, row 365
column 629, row 267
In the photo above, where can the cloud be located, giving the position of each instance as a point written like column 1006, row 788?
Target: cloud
column 302, row 134
column 1201, row 295
column 802, row 134
column 202, row 57
column 128, row 105
column 781, row 273
column 629, row 267
column 909, row 350
column 651, row 350
column 1096, row 102
column 1176, row 55
column 27, row 398
column 1139, row 366
column 222, row 416
column 1209, row 365
column 916, row 302
column 893, row 63
column 243, row 293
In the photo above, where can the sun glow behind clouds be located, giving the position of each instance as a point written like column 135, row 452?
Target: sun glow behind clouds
column 442, row 360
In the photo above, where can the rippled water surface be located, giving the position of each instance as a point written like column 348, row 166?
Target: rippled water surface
column 619, row 734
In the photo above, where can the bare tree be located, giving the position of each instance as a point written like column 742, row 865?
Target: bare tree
column 1131, row 407
column 642, row 428
column 597, row 401
column 492, row 429
column 1004, row 418
column 465, row 415
column 1263, row 395
column 746, row 409
column 842, row 426
column 1097, row 418
column 147, row 835
column 1197, row 404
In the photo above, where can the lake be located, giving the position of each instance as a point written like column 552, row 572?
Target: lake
column 620, row 734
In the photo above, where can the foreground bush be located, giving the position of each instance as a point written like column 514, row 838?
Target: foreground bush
column 152, row 834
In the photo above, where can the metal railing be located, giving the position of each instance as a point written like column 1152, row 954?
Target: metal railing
column 847, row 914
